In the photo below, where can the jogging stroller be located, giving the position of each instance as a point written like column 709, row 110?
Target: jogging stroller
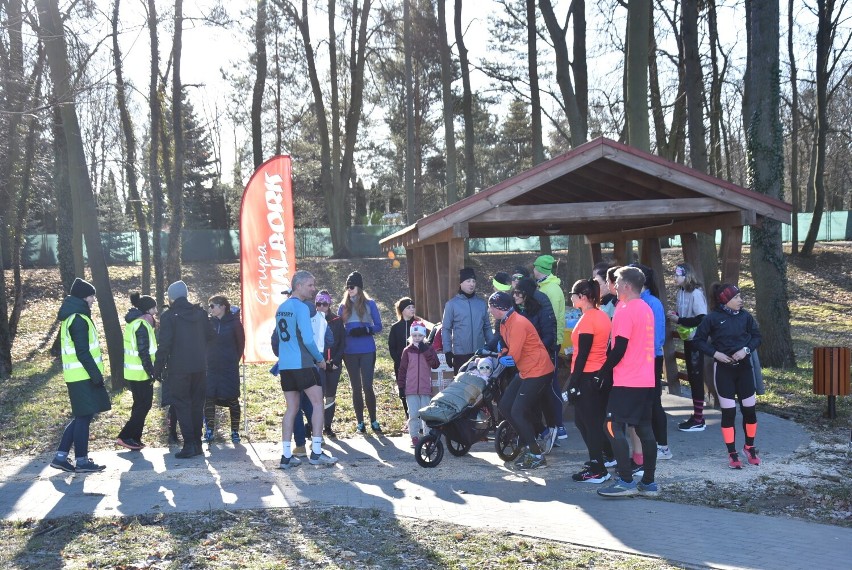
column 463, row 427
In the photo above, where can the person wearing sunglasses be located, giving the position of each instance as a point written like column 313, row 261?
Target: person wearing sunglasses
column 223, row 367
column 333, row 354
column 362, row 320
column 729, row 334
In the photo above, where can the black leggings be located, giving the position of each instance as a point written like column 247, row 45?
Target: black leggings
column 658, row 414
column 694, row 369
column 143, row 398
column 520, row 405
column 617, row 434
column 233, row 404
column 589, row 414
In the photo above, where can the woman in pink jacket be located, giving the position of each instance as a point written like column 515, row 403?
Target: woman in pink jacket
column 415, row 376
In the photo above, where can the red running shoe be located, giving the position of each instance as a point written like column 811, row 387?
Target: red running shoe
column 751, row 454
column 734, row 461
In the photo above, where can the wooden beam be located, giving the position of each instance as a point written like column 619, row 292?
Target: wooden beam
column 707, row 224
column 731, row 254
column 590, row 211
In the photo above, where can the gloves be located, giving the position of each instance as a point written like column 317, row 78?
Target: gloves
column 481, row 352
column 358, row 331
column 573, row 390
column 274, row 369
column 603, row 380
column 401, row 392
column 422, row 346
column 506, row 360
column 449, row 356
column 98, row 381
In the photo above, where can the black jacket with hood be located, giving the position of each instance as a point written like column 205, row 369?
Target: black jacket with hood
column 185, row 332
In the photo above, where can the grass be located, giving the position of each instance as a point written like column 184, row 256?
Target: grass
column 34, row 409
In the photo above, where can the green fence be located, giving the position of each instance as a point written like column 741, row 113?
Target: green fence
column 223, row 246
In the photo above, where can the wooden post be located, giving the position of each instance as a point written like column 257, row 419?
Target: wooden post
column 732, row 251
column 652, row 256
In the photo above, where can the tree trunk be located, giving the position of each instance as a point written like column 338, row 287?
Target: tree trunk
column 448, row 106
column 766, row 168
column 570, row 100
column 824, row 36
column 470, row 177
column 64, row 203
column 715, row 154
column 153, row 163
column 259, row 83
column 130, row 160
column 413, row 207
column 636, row 66
column 535, row 96
column 57, row 58
column 794, row 132
column 173, row 260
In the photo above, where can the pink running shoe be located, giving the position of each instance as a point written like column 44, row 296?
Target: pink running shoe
column 751, row 454
column 734, row 461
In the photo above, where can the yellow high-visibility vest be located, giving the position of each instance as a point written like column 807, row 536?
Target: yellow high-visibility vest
column 133, row 369
column 72, row 368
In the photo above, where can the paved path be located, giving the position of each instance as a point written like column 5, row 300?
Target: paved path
column 476, row 490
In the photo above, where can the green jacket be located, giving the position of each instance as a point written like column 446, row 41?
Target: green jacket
column 552, row 287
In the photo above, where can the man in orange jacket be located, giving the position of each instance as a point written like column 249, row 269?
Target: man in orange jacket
column 523, row 349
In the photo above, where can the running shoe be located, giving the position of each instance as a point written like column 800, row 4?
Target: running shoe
column 361, row 427
column 546, row 439
column 321, row 459
column 750, row 453
column 531, row 461
column 88, row 466
column 288, row 462
column 235, row 436
column 692, row 425
column 620, row 488
column 648, row 489
column 638, row 470
column 734, row 461
column 208, row 435
column 128, row 443
column 561, row 433
column 414, row 442
column 62, row 464
column 376, row 426
column 589, row 476
column 663, row 452
column 610, row 462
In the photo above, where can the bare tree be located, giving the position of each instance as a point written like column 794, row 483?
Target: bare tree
column 452, row 190
column 413, row 206
column 794, row 131
column 130, row 158
column 153, row 164
column 761, row 115
column 467, row 105
column 53, row 37
column 173, row 260
column 337, row 145
column 827, row 58
column 259, row 83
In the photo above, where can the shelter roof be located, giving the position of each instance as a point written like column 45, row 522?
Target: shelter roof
column 603, row 190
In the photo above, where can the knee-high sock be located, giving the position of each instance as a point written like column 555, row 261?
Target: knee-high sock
column 749, row 424
column 728, row 433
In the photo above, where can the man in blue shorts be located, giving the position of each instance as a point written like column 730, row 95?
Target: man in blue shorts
column 298, row 360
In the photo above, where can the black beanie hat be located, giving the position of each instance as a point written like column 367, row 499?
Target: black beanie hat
column 81, row 289
column 522, row 271
column 355, row 279
column 501, row 300
column 466, row 273
column 142, row 302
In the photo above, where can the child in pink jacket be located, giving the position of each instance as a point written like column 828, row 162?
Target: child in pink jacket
column 415, row 377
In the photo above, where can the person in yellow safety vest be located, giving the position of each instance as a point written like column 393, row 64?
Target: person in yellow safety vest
column 83, row 369
column 140, row 347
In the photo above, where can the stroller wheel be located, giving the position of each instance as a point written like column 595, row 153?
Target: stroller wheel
column 456, row 448
column 429, row 451
column 506, row 441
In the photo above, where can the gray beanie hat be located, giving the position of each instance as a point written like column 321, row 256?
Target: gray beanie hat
column 177, row 290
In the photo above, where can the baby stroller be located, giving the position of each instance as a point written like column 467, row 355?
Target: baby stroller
column 464, row 427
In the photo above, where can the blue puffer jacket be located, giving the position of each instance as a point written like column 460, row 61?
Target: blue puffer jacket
column 223, row 357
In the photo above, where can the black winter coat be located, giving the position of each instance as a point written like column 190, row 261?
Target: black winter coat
column 223, row 357
column 185, row 332
column 338, row 330
column 86, row 398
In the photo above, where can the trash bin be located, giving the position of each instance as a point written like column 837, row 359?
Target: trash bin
column 831, row 374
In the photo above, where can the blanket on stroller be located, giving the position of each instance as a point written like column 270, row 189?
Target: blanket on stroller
column 462, row 392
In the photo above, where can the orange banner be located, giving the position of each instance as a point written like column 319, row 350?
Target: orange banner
column 267, row 252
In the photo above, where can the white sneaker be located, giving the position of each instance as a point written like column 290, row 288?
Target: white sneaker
column 663, row 452
column 321, row 459
column 288, row 462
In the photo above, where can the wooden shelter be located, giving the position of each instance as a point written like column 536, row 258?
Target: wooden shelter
column 606, row 191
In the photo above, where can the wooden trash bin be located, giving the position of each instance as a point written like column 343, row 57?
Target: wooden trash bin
column 832, row 374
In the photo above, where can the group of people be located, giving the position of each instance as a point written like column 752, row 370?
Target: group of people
column 615, row 379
